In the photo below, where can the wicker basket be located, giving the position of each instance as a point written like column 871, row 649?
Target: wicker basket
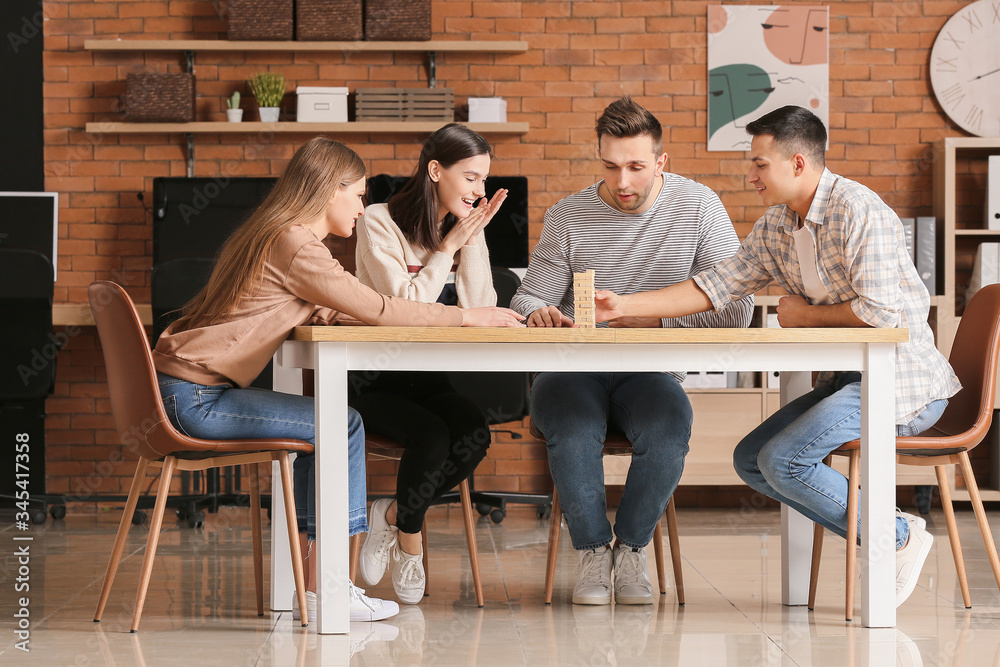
column 258, row 20
column 159, row 98
column 398, row 20
column 329, row 20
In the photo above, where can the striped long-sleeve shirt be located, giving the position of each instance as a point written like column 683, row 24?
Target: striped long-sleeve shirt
column 861, row 258
column 684, row 232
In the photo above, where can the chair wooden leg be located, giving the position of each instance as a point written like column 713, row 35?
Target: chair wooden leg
column 427, row 569
column 354, row 555
column 116, row 551
column 853, row 482
column 470, row 537
column 555, row 523
column 977, row 505
column 258, row 541
column 154, row 538
column 956, row 545
column 661, row 575
column 817, row 555
column 298, row 574
column 675, row 550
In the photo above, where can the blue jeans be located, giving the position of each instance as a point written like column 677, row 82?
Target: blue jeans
column 574, row 410
column 223, row 412
column 783, row 457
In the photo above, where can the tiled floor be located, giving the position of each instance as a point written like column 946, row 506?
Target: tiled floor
column 200, row 609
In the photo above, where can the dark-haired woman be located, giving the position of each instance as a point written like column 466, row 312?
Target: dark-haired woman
column 426, row 244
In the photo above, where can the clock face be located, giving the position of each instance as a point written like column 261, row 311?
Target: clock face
column 965, row 68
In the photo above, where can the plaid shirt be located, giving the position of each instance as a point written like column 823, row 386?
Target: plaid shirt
column 862, row 258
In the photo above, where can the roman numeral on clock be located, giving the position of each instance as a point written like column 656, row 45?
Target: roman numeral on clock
column 946, row 64
column 953, row 95
column 973, row 21
column 975, row 118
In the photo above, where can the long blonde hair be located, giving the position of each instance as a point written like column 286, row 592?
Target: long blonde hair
column 301, row 195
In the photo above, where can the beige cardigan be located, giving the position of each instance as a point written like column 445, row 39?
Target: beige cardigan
column 383, row 256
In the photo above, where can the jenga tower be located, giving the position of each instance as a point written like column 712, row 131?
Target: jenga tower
column 583, row 299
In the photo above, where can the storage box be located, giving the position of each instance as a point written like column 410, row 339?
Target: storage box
column 487, row 110
column 328, row 20
column 393, row 20
column 257, row 20
column 387, row 104
column 159, row 98
column 321, row 105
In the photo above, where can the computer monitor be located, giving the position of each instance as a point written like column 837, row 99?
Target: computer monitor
column 193, row 217
column 30, row 221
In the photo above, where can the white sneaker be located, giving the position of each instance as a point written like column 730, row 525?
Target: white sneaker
column 632, row 576
column 408, row 577
column 593, row 577
column 379, row 541
column 364, row 608
column 910, row 559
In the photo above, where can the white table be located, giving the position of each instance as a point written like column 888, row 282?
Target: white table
column 332, row 351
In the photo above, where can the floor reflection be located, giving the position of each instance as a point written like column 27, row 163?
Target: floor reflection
column 200, row 608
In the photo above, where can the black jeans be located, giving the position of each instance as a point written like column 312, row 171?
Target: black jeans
column 445, row 435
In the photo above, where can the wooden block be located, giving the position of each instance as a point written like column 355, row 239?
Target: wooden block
column 583, row 299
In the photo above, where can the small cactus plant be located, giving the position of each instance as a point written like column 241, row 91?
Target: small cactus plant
column 234, row 101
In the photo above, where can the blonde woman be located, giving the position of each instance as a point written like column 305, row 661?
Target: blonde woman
column 274, row 274
column 426, row 244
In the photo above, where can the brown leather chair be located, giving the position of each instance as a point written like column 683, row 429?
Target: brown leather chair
column 380, row 448
column 616, row 444
column 145, row 429
column 962, row 426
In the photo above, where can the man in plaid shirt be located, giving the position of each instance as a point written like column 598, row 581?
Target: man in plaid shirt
column 839, row 252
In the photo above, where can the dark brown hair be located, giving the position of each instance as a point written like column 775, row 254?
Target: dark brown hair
column 414, row 208
column 795, row 130
column 625, row 118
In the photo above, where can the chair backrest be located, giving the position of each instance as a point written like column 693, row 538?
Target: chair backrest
column 135, row 395
column 974, row 357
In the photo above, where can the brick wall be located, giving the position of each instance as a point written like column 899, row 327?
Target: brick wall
column 581, row 56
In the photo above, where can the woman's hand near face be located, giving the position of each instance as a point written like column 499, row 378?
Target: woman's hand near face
column 466, row 230
column 491, row 316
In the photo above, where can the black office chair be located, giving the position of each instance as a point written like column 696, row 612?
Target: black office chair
column 503, row 398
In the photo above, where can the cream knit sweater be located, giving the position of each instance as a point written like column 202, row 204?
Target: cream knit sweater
column 383, row 255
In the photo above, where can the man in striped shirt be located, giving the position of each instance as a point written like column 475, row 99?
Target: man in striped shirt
column 639, row 229
column 839, row 252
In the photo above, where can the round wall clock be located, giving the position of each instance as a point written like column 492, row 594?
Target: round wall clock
column 965, row 68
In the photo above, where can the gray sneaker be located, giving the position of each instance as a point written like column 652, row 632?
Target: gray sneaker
column 593, row 577
column 632, row 576
column 408, row 577
column 910, row 559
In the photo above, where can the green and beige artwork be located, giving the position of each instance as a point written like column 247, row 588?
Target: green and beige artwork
column 761, row 58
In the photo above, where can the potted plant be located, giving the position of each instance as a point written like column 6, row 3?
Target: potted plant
column 268, row 88
column 234, row 113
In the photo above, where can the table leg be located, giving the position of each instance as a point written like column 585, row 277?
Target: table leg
column 878, row 487
column 796, row 530
column 332, row 566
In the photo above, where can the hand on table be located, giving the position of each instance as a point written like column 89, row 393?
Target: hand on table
column 549, row 316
